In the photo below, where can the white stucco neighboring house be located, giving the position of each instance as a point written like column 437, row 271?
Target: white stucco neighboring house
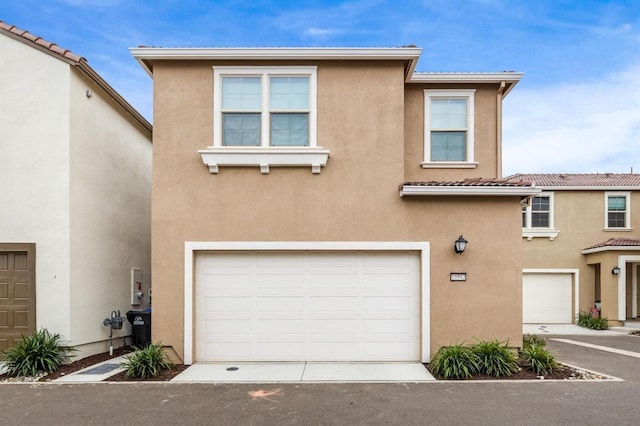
column 75, row 179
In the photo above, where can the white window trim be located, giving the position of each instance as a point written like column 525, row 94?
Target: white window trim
column 469, row 95
column 264, row 155
column 627, row 213
column 192, row 247
column 551, row 232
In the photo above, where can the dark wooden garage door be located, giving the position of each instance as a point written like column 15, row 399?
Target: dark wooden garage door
column 17, row 292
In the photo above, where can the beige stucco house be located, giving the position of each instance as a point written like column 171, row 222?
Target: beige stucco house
column 306, row 202
column 581, row 247
column 75, row 168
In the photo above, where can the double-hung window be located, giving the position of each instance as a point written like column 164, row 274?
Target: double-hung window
column 617, row 213
column 537, row 217
column 264, row 106
column 264, row 116
column 449, row 128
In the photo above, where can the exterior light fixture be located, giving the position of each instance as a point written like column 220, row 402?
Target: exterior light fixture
column 460, row 245
column 615, row 270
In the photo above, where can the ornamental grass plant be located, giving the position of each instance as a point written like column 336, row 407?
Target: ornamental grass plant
column 147, row 362
column 455, row 362
column 495, row 358
column 40, row 352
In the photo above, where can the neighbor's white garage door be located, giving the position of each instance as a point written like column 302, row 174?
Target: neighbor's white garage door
column 546, row 298
column 307, row 306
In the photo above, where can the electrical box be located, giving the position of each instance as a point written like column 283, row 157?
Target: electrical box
column 137, row 293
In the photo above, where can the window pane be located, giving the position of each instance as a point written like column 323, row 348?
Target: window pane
column 524, row 217
column 539, row 220
column 448, row 114
column 616, row 220
column 540, row 204
column 241, row 129
column 289, row 129
column 289, row 93
column 241, row 93
column 617, row 203
column 448, row 146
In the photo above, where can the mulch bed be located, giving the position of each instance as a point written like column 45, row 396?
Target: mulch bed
column 561, row 373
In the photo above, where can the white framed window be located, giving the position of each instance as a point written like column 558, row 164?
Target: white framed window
column 449, row 128
column 617, row 215
column 537, row 217
column 265, row 117
column 264, row 106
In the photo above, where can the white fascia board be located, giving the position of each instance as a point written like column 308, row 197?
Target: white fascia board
column 610, row 248
column 144, row 54
column 466, row 77
column 591, row 188
column 486, row 191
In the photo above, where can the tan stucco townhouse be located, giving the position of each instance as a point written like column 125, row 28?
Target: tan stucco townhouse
column 306, row 202
column 581, row 247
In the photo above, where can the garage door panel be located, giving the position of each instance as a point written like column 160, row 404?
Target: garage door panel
column 547, row 298
column 312, row 306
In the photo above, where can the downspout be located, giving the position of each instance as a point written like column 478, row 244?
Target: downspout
column 499, row 96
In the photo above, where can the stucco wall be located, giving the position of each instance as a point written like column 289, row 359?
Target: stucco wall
column 34, row 163
column 580, row 218
column 110, row 208
column 361, row 119
column 485, row 135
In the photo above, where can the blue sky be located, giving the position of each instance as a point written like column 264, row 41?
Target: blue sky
column 576, row 110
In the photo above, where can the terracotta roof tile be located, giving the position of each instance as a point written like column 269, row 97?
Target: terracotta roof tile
column 39, row 41
column 506, row 182
column 617, row 242
column 603, row 180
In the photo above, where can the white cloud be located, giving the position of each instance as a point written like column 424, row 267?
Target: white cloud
column 319, row 32
column 573, row 128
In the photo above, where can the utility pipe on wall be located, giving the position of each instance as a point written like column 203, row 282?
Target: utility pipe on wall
column 499, row 95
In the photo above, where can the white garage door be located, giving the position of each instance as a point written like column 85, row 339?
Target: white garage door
column 307, row 306
column 546, row 298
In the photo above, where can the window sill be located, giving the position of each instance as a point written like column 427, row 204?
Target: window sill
column 530, row 233
column 216, row 157
column 617, row 229
column 449, row 165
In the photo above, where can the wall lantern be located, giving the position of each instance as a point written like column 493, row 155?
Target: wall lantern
column 460, row 245
column 615, row 270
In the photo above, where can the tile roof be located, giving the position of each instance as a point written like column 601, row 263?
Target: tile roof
column 603, row 180
column 617, row 242
column 41, row 43
column 495, row 182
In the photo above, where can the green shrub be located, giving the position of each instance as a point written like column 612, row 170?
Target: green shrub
column 586, row 320
column 454, row 362
column 147, row 362
column 539, row 360
column 532, row 340
column 39, row 352
column 495, row 359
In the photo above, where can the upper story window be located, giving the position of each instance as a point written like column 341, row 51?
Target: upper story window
column 265, row 106
column 617, row 211
column 537, row 217
column 449, row 120
column 264, row 117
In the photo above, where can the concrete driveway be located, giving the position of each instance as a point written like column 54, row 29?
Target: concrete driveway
column 442, row 403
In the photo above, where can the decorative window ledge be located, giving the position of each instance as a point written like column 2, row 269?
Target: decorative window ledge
column 617, row 229
column 531, row 233
column 264, row 157
column 449, row 165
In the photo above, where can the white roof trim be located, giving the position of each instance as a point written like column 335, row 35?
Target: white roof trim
column 466, row 77
column 610, row 248
column 487, row 191
column 591, row 188
column 143, row 54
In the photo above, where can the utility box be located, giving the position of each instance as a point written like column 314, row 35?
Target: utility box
column 140, row 327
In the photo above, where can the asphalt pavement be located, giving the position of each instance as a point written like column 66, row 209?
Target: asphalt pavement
column 442, row 403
